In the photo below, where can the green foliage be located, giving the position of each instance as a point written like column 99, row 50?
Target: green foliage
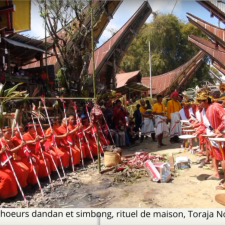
column 60, row 79
column 170, row 47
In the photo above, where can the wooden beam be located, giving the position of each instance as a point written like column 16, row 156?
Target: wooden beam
column 109, row 63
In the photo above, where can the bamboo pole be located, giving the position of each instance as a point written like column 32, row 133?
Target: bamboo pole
column 94, row 86
column 46, row 60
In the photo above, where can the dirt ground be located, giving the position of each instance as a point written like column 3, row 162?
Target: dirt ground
column 88, row 188
column 188, row 190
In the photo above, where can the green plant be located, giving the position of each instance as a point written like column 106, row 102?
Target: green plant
column 8, row 96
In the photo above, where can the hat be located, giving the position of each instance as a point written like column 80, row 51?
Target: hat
column 191, row 101
column 203, row 95
column 174, row 93
column 186, row 97
column 222, row 87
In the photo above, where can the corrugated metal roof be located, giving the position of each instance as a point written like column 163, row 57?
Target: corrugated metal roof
column 22, row 45
column 122, row 78
column 132, row 87
column 161, row 84
column 24, row 48
column 216, row 53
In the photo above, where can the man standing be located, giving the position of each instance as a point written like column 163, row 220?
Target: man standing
column 213, row 116
column 119, row 113
column 173, row 108
column 147, row 123
column 161, row 126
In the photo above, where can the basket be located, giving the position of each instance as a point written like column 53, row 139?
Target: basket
column 111, row 159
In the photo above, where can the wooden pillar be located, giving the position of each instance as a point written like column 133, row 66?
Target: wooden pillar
column 41, row 61
column 114, row 70
column 8, row 63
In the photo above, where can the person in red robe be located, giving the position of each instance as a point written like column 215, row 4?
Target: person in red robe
column 77, row 137
column 90, row 136
column 31, row 142
column 69, row 139
column 58, row 149
column 20, row 168
column 213, row 122
column 48, row 153
column 8, row 185
column 16, row 139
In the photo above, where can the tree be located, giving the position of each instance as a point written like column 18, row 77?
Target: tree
column 68, row 24
column 170, row 47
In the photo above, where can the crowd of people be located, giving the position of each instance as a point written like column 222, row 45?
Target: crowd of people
column 32, row 153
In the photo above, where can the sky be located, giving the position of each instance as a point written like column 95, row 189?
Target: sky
column 126, row 10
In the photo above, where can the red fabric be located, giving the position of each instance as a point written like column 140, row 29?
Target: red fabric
column 60, row 152
column 78, row 139
column 31, row 176
column 215, row 113
column 119, row 115
column 75, row 150
column 216, row 116
column 19, row 167
column 8, row 185
column 187, row 114
column 42, row 168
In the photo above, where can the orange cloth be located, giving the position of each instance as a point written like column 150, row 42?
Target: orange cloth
column 79, row 141
column 172, row 106
column 8, row 185
column 60, row 152
column 92, row 143
column 31, row 176
column 75, row 151
column 19, row 167
column 50, row 155
column 42, row 169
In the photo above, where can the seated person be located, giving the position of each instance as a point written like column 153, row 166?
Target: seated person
column 113, row 132
column 120, row 128
column 133, row 132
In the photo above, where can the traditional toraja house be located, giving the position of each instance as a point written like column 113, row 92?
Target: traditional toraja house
column 130, row 84
column 217, row 34
column 217, row 53
column 220, row 68
column 15, row 15
column 18, row 50
column 216, row 8
column 215, row 48
column 109, row 55
column 176, row 79
column 104, row 10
